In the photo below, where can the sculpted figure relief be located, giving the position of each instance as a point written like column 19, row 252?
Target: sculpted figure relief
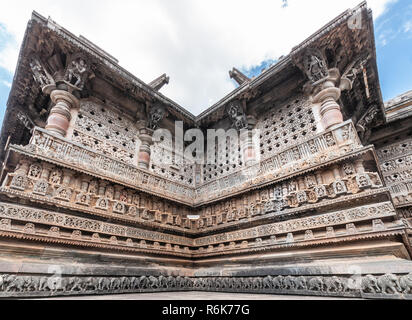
column 315, row 65
column 40, row 74
column 237, row 115
column 76, row 72
column 156, row 114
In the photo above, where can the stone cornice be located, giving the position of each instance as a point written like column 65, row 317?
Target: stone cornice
column 291, row 213
column 377, row 211
column 48, row 226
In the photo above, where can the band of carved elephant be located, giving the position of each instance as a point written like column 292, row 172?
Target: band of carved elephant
column 384, row 285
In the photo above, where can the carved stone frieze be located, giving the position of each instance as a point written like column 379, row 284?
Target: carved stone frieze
column 367, row 286
column 341, row 217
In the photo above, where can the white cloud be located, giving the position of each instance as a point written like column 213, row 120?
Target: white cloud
column 8, row 56
column 407, row 27
column 6, row 83
column 195, row 42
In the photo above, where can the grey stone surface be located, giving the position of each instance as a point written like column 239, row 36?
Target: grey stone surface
column 193, row 295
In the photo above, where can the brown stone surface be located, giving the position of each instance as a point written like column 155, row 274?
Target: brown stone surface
column 91, row 202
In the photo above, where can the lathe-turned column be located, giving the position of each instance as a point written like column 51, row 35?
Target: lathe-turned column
column 146, row 139
column 59, row 118
column 327, row 96
column 247, row 144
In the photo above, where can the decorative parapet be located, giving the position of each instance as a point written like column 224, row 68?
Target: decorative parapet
column 339, row 141
column 49, row 147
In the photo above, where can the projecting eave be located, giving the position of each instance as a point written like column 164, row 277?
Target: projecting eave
column 335, row 37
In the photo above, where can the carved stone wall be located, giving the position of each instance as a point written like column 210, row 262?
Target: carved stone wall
column 101, row 128
column 304, row 192
column 46, row 183
column 395, row 157
column 397, row 286
column 127, row 215
column 167, row 163
column 286, row 124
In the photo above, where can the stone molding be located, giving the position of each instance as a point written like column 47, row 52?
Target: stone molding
column 328, row 146
column 30, row 222
column 386, row 286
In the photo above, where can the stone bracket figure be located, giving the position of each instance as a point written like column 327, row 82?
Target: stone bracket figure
column 41, row 75
column 77, row 72
column 237, row 115
column 155, row 116
column 315, row 65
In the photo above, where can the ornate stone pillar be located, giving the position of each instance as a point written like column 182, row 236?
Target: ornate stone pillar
column 85, row 181
column 102, row 188
column 323, row 85
column 117, row 192
column 327, row 96
column 319, row 177
column 301, row 183
column 247, row 146
column 59, row 117
column 61, row 86
column 145, row 137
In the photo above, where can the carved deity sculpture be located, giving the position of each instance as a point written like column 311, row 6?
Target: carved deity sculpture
column 237, row 115
column 156, row 115
column 315, row 66
column 40, row 74
column 76, row 73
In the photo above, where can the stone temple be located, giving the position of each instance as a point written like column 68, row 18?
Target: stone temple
column 92, row 203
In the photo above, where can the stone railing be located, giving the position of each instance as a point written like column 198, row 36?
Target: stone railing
column 68, row 153
column 337, row 142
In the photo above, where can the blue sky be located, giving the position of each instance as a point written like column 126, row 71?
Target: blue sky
column 6, row 77
column 197, row 51
column 393, row 36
